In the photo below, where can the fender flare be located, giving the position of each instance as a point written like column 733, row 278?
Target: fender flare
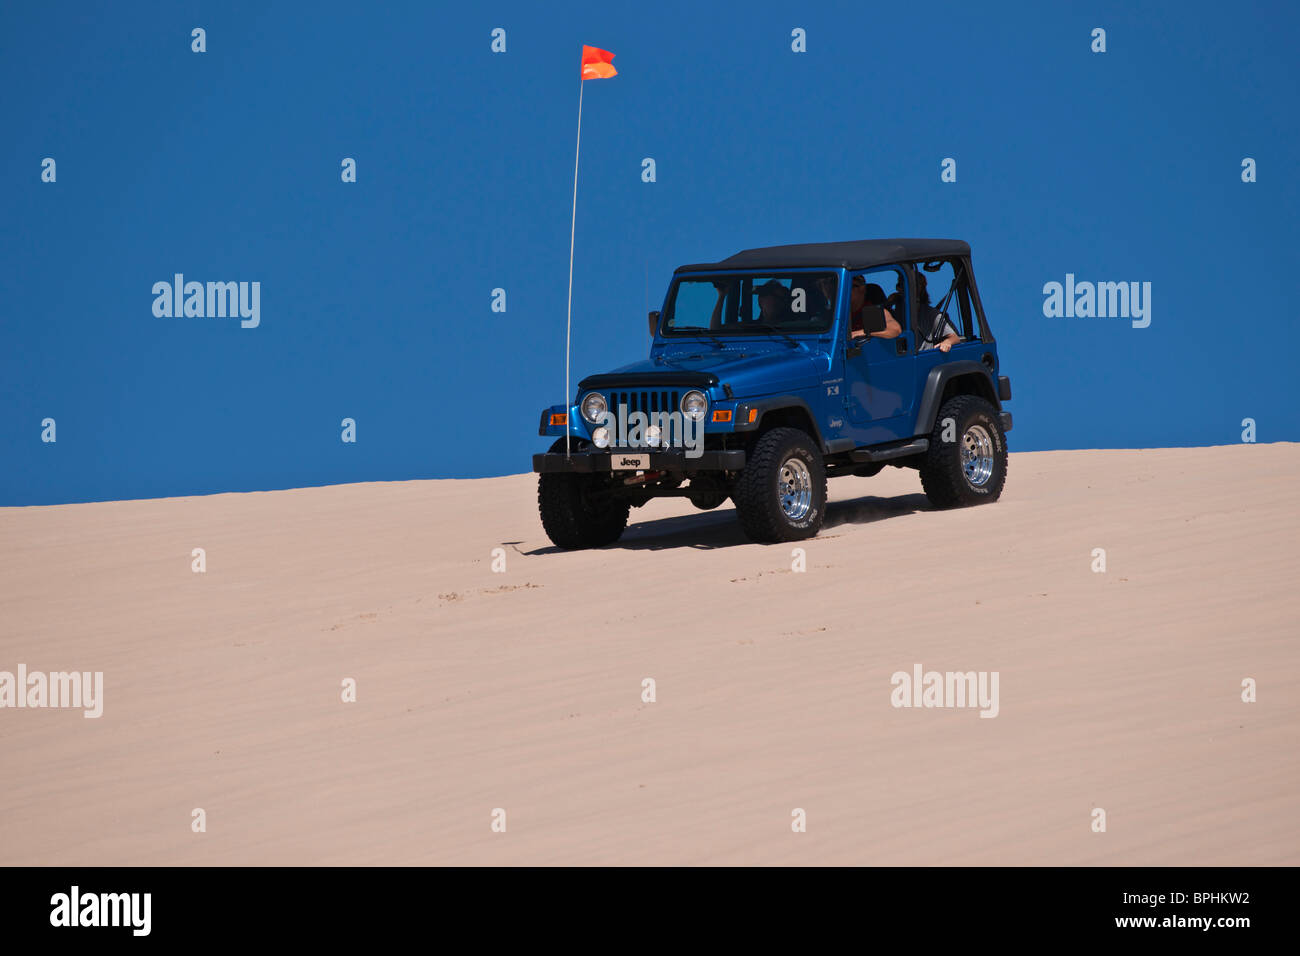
column 939, row 376
column 773, row 404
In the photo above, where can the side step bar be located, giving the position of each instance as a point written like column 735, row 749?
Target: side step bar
column 887, row 452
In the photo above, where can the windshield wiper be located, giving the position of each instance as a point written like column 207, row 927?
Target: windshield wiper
column 703, row 332
column 766, row 327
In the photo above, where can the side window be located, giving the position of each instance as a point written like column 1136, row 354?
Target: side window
column 936, row 289
column 883, row 288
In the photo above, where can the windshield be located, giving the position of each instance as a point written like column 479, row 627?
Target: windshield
column 751, row 304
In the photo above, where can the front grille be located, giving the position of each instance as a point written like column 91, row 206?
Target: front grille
column 645, row 401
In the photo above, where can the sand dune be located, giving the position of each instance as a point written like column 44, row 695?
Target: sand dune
column 522, row 690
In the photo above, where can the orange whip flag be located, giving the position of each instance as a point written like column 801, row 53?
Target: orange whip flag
column 597, row 64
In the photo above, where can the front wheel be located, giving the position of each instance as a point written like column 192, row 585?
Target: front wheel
column 966, row 463
column 578, row 510
column 781, row 493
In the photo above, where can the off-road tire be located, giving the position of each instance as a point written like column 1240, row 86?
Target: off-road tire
column 950, row 472
column 572, row 514
column 758, row 491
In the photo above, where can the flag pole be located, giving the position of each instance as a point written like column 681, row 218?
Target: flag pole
column 568, row 320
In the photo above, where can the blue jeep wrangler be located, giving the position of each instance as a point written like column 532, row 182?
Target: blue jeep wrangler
column 777, row 368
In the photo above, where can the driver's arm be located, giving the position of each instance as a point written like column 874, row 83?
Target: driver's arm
column 892, row 329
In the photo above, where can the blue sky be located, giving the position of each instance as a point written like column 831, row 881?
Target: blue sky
column 376, row 295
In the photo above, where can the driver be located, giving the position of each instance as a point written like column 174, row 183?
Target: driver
column 862, row 294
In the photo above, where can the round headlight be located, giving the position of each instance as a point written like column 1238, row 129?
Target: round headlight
column 694, row 405
column 593, row 407
column 600, row 437
column 653, row 436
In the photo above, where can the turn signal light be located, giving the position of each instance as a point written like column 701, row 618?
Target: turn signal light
column 559, row 418
column 722, row 414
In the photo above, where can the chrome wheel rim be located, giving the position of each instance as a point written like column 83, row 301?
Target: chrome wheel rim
column 794, row 487
column 977, row 455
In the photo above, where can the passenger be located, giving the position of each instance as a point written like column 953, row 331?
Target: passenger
column 943, row 330
column 933, row 328
column 773, row 303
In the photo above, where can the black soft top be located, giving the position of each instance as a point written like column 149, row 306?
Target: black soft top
column 860, row 254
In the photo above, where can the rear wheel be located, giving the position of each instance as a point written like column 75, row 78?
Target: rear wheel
column 781, row 493
column 966, row 463
column 577, row 509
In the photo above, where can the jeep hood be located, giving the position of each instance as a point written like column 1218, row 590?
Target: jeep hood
column 749, row 368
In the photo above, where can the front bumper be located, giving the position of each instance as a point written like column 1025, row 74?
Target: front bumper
column 602, row 461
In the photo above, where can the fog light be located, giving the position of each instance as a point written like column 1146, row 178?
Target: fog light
column 600, row 437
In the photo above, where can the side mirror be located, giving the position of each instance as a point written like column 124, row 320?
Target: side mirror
column 654, row 323
column 873, row 318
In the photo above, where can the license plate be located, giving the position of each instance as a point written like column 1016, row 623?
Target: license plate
column 629, row 462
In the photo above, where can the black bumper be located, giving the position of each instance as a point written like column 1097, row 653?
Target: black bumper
column 586, row 461
column 1005, row 419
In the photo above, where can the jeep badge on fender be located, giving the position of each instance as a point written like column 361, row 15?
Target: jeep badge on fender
column 776, row 369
